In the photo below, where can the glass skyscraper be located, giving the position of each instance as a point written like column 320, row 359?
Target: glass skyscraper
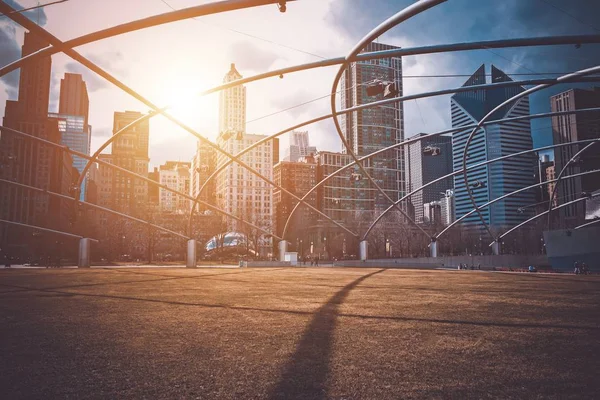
column 491, row 142
column 372, row 129
column 74, row 135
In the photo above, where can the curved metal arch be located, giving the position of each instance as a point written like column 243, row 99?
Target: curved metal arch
column 92, row 66
column 227, row 163
column 155, row 20
column 514, row 228
column 44, row 229
column 108, row 210
column 410, row 97
column 467, row 46
column 137, row 176
column 512, row 100
column 474, row 166
column 594, row 221
column 396, row 19
column 511, row 194
column 562, row 171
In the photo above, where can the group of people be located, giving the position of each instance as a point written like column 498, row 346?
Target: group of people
column 465, row 266
column 314, row 260
column 581, row 268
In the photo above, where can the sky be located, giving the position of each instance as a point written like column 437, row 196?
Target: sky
column 174, row 62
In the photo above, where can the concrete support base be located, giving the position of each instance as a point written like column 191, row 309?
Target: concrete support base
column 363, row 250
column 191, row 254
column 282, row 250
column 83, row 260
column 496, row 249
column 433, row 248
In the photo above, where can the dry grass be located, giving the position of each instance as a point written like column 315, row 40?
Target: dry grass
column 297, row 333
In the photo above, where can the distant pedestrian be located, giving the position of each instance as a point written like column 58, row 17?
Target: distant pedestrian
column 576, row 268
column 317, row 261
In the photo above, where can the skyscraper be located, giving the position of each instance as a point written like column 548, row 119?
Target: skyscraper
column 74, row 98
column 427, row 160
column 29, row 162
column 499, row 178
column 232, row 105
column 130, row 151
column 572, row 128
column 73, row 134
column 238, row 191
column 299, row 146
column 372, row 129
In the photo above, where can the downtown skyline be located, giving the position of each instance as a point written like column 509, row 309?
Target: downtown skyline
column 177, row 68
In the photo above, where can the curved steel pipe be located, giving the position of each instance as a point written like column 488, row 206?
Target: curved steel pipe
column 409, row 141
column 562, row 171
column 474, row 166
column 356, row 108
column 108, row 210
column 510, row 194
column 396, row 19
column 44, row 229
column 155, row 20
column 514, row 228
column 594, row 221
column 143, row 178
column 514, row 99
column 92, row 66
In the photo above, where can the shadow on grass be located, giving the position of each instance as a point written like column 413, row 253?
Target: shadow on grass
column 305, row 375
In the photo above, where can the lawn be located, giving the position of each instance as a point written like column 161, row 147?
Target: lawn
column 297, row 333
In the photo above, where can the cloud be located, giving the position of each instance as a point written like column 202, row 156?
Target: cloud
column 38, row 15
column 250, row 57
column 9, row 52
column 111, row 61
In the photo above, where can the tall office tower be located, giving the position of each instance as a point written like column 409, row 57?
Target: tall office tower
column 175, row 175
column 499, row 178
column 572, row 128
column 238, row 191
column 203, row 165
column 74, row 135
column 130, row 151
column 298, row 178
column 29, row 162
column 299, row 146
column 232, row 105
column 375, row 128
column 74, row 98
column 427, row 160
column 72, row 116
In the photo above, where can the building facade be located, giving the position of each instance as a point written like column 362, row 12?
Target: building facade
column 298, row 178
column 32, row 163
column 238, row 191
column 499, row 178
column 175, row 175
column 372, row 129
column 130, row 151
column 203, row 165
column 426, row 160
column 74, row 135
column 571, row 128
